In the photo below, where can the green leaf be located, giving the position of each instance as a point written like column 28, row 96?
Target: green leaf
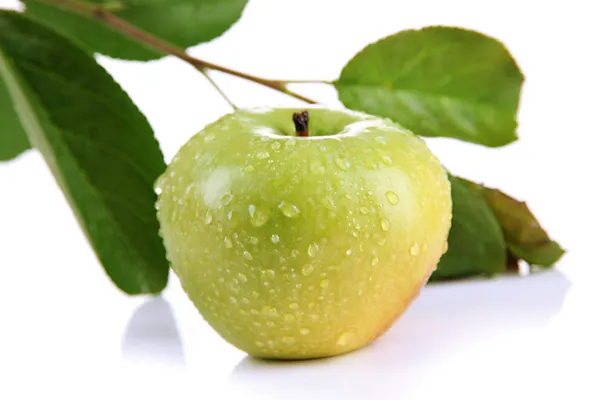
column 438, row 81
column 13, row 140
column 475, row 243
column 525, row 237
column 183, row 23
column 97, row 144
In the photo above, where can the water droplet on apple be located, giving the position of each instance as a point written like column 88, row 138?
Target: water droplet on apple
column 316, row 167
column 258, row 343
column 304, row 331
column 375, row 261
column 324, row 284
column 208, row 217
column 275, row 238
column 387, row 160
column 268, row 274
column 343, row 164
column 271, row 343
column 208, row 138
column 370, row 164
column 414, row 249
column 381, row 140
column 355, row 223
column 245, row 300
column 228, row 242
column 270, row 324
column 364, row 210
column 349, row 252
column 275, row 145
column 258, row 215
column 289, row 210
column 313, row 249
column 232, row 300
column 289, row 317
column 262, row 155
column 288, row 340
column 294, row 306
column 248, row 168
column 247, row 255
column 255, row 294
column 269, row 311
column 226, row 199
column 392, row 197
column 345, row 339
column 243, row 278
column 232, row 216
column 295, row 253
column 385, row 225
column 253, row 240
column 307, row 269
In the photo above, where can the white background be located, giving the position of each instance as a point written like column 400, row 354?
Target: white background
column 65, row 330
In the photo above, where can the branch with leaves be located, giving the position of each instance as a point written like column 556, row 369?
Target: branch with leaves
column 437, row 81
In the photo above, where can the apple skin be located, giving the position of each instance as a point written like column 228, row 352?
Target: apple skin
column 303, row 247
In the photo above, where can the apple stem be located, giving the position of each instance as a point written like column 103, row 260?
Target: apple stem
column 301, row 123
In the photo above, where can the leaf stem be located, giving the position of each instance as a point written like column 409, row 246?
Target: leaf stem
column 306, row 81
column 104, row 16
column 218, row 89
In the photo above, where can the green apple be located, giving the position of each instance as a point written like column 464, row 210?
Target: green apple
column 299, row 247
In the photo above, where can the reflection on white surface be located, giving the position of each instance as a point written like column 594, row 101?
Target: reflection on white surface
column 449, row 329
column 152, row 335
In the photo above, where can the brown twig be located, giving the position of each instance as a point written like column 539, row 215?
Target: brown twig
column 104, row 16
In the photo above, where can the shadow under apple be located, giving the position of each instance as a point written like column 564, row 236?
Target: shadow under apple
column 446, row 320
